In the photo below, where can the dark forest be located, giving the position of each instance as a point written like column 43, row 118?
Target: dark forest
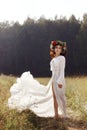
column 26, row 47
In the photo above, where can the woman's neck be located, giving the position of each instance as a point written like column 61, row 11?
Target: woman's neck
column 57, row 55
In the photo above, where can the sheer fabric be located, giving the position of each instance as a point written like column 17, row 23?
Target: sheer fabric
column 58, row 77
column 28, row 93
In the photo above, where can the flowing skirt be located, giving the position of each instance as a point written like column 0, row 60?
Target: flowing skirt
column 28, row 93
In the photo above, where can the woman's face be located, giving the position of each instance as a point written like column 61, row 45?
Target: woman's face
column 58, row 50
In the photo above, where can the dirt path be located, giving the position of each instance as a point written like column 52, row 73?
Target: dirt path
column 73, row 122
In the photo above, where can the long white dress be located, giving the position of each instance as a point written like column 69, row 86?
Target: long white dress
column 28, row 93
column 58, row 77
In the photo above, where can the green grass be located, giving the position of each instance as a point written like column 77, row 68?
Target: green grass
column 76, row 93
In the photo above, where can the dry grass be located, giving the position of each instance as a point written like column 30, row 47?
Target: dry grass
column 76, row 93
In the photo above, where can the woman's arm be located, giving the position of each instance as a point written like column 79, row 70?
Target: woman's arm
column 62, row 71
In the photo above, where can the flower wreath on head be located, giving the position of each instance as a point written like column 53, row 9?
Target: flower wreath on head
column 54, row 43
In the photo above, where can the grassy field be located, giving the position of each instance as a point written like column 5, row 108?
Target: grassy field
column 76, row 94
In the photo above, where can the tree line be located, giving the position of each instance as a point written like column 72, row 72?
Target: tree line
column 26, row 47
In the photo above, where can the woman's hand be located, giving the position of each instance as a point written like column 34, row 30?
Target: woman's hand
column 60, row 85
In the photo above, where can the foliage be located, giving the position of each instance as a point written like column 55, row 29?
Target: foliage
column 25, row 47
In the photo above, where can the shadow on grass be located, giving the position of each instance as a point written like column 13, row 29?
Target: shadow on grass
column 40, row 123
column 27, row 120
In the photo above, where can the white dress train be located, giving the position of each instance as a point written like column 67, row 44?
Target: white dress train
column 28, row 93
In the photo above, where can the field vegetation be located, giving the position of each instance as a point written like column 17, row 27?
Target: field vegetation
column 76, row 95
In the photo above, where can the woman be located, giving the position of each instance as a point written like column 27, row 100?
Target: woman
column 57, row 52
column 28, row 93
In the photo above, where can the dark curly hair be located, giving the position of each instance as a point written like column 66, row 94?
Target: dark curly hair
column 56, row 43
